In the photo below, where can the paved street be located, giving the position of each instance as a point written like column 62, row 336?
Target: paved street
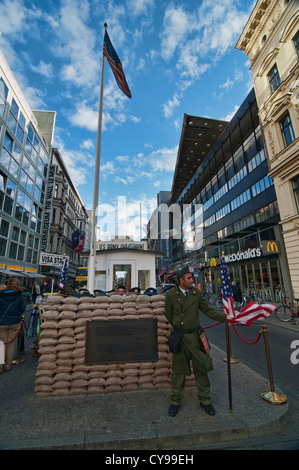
column 136, row 420
column 286, row 374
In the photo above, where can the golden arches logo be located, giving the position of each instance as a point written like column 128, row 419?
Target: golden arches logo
column 272, row 247
column 213, row 262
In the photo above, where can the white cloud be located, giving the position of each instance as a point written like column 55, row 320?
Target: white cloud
column 85, row 117
column 115, row 111
column 12, row 17
column 126, row 181
column 107, row 169
column 123, row 159
column 216, row 26
column 79, row 163
column 163, row 159
column 176, row 24
column 168, row 107
column 230, row 115
column 139, row 7
column 74, row 42
column 43, row 69
column 227, row 85
column 87, row 144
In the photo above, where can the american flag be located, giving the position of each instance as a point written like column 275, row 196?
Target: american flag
column 227, row 292
column 248, row 314
column 116, row 66
column 64, row 275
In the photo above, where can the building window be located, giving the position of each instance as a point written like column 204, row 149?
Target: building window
column 287, row 130
column 3, row 96
column 274, row 78
column 295, row 184
column 296, row 42
column 4, row 229
column 261, row 185
column 7, row 194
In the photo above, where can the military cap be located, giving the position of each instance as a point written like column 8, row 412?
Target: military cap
column 182, row 272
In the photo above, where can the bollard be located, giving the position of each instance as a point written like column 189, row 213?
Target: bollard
column 228, row 348
column 232, row 360
column 272, row 396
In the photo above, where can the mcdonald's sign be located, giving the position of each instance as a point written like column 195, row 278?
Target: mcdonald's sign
column 271, row 247
column 213, row 262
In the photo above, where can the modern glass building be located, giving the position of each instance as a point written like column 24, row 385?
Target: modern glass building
column 231, row 202
column 25, row 157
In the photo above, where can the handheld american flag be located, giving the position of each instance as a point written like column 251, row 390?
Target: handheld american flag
column 227, row 292
column 64, row 275
column 116, row 65
column 248, row 314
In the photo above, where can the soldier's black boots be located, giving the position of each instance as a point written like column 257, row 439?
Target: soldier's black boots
column 173, row 409
column 208, row 409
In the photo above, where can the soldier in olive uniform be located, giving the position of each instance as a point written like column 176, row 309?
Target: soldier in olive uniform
column 182, row 312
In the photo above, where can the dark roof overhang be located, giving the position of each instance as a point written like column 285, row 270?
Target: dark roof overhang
column 198, row 137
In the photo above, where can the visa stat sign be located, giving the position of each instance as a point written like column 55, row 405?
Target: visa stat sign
column 49, row 259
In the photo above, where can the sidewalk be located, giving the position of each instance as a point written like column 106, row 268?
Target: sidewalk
column 134, row 420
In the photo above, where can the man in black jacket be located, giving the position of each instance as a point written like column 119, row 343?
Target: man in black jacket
column 12, row 305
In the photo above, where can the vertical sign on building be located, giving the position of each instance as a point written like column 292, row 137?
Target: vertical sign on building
column 48, row 208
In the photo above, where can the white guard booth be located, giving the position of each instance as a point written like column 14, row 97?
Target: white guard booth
column 124, row 264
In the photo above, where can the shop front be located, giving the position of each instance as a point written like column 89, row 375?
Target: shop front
column 261, row 270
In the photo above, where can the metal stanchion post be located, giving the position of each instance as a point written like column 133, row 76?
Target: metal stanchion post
column 272, row 396
column 232, row 360
column 230, row 398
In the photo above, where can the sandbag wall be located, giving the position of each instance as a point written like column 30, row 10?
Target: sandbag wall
column 61, row 368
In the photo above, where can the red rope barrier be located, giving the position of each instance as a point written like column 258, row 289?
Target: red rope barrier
column 237, row 333
column 247, row 342
column 211, row 326
column 12, row 340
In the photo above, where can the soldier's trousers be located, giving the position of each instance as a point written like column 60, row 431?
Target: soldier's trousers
column 181, row 368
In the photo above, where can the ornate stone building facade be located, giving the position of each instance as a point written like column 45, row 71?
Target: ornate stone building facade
column 271, row 41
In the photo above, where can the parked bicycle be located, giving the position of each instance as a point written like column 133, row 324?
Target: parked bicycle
column 219, row 302
column 285, row 311
column 209, row 297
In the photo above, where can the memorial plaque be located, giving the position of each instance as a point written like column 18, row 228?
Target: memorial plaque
column 118, row 341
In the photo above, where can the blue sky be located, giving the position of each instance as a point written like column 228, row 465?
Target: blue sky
column 178, row 57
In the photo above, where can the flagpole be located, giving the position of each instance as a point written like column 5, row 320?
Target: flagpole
column 92, row 255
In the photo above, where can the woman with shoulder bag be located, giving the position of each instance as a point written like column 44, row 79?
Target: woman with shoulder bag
column 12, row 306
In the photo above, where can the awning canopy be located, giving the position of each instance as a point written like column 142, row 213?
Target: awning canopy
column 6, row 271
column 11, row 272
column 35, row 275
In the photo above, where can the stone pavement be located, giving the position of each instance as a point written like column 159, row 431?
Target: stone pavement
column 134, row 420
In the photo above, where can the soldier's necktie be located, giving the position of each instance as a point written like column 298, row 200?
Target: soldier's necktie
column 186, row 293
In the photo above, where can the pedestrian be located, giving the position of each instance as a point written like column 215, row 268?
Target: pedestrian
column 46, row 287
column 12, row 305
column 182, row 312
column 237, row 293
column 35, row 291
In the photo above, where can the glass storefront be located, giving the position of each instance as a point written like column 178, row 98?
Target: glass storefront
column 143, row 279
column 259, row 276
column 261, row 279
column 122, row 276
